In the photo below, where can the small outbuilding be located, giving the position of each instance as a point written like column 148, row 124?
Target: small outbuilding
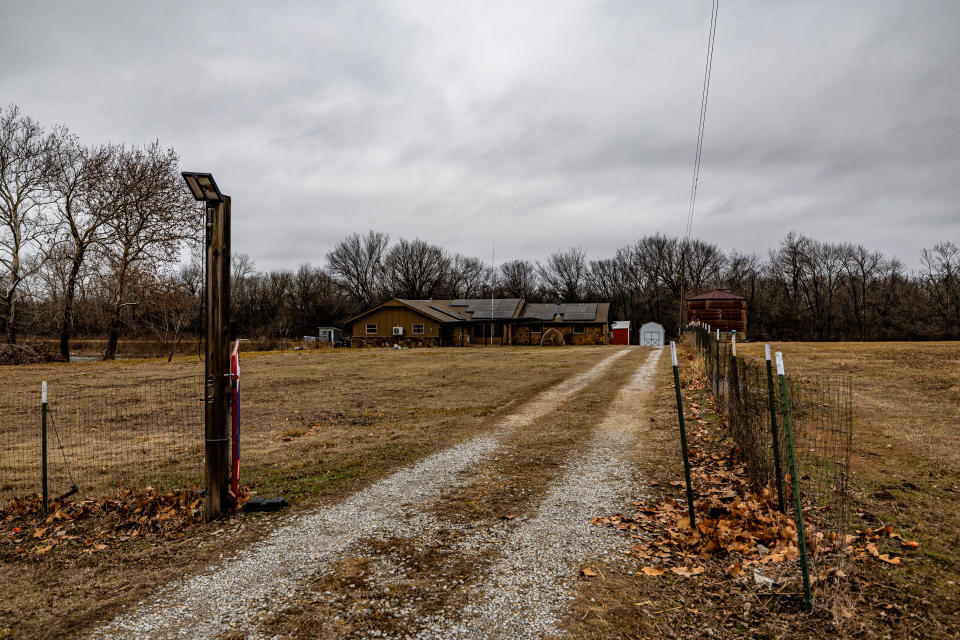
column 652, row 334
column 621, row 332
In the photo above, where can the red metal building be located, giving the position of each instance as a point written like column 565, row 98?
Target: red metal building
column 621, row 332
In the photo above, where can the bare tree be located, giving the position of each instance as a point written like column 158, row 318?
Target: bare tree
column 79, row 179
column 24, row 164
column 149, row 221
column 416, row 269
column 469, row 277
column 171, row 309
column 565, row 274
column 941, row 282
column 518, row 279
column 357, row 264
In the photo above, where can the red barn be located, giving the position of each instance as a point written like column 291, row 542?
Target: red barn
column 621, row 332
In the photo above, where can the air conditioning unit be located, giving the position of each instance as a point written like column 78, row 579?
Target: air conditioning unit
column 398, row 331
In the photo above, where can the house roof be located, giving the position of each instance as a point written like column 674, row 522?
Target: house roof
column 502, row 309
column 567, row 311
column 717, row 294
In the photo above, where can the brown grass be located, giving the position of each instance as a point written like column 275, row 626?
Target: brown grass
column 317, row 425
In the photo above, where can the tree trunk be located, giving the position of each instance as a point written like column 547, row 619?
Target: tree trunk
column 114, row 335
column 11, row 317
column 66, row 328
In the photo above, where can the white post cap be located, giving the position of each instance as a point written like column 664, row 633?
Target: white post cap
column 766, row 351
column 43, row 392
column 673, row 352
column 780, row 364
column 733, row 343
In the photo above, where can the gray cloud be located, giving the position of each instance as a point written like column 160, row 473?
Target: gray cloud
column 537, row 125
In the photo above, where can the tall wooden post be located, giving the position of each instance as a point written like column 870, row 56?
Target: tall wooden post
column 217, row 364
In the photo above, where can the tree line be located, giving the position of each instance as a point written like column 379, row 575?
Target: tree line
column 105, row 240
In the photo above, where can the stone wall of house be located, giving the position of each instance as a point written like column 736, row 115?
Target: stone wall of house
column 592, row 334
column 389, row 341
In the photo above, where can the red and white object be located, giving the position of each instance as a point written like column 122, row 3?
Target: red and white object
column 235, row 411
column 621, row 332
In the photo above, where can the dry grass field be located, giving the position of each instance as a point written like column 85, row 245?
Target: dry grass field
column 317, row 425
column 905, row 464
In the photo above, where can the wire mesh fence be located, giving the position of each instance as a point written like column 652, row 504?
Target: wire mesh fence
column 100, row 439
column 821, row 420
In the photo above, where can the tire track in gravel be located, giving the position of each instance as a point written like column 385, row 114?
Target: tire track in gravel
column 386, row 587
column 525, row 593
column 236, row 595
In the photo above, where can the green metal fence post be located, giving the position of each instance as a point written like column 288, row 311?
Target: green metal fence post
column 43, row 441
column 795, row 485
column 683, row 436
column 778, row 469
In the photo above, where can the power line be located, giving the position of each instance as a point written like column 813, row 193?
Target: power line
column 705, row 95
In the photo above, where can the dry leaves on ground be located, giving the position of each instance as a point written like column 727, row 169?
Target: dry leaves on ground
column 97, row 524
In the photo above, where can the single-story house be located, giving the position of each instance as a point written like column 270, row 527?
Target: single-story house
column 460, row 323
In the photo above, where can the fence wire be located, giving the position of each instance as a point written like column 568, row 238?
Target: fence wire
column 101, row 439
column 821, row 411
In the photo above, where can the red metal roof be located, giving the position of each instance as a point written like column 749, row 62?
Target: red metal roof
column 717, row 294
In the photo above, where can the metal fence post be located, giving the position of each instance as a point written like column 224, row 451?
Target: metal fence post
column 778, row 470
column 683, row 436
column 795, row 485
column 43, row 442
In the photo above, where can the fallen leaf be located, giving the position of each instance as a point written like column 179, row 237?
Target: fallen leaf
column 653, row 571
column 588, row 572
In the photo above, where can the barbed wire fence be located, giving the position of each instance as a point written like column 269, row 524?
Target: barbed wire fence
column 100, row 439
column 821, row 418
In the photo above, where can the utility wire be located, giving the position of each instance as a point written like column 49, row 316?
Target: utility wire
column 704, row 96
column 708, row 67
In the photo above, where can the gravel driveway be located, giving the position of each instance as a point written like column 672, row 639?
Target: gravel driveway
column 235, row 596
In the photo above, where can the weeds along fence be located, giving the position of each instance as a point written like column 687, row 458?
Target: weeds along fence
column 821, row 417
column 102, row 438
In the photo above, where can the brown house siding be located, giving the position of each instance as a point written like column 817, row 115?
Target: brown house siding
column 389, row 341
column 387, row 318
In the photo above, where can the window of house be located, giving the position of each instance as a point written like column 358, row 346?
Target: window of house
column 479, row 330
column 372, row 328
column 536, row 327
column 418, row 329
column 579, row 328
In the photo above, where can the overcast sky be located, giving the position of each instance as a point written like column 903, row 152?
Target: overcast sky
column 537, row 125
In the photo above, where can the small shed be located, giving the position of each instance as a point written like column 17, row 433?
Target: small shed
column 330, row 334
column 621, row 332
column 652, row 334
column 720, row 309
